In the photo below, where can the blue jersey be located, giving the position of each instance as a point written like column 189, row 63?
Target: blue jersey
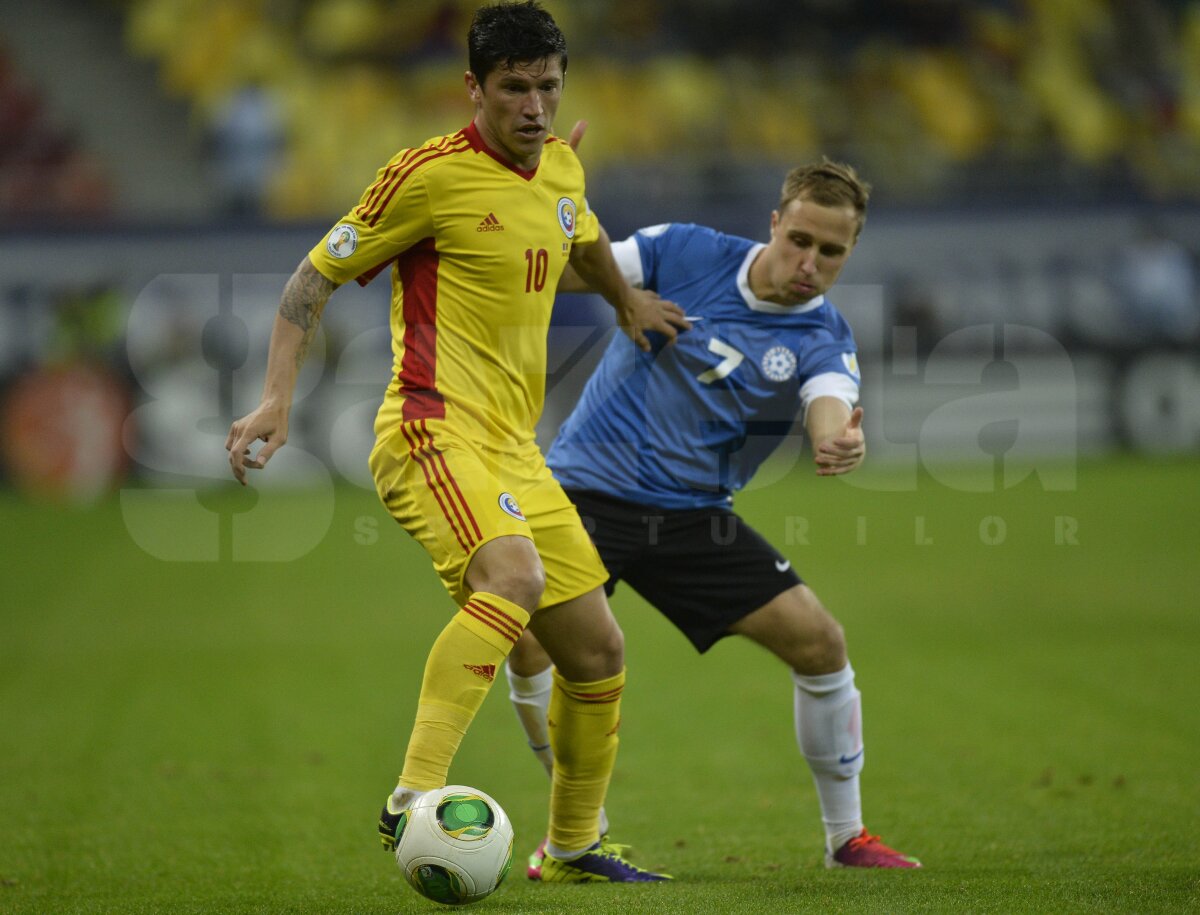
column 687, row 425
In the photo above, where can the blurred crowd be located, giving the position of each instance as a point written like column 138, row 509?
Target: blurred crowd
column 303, row 99
column 993, row 102
column 43, row 168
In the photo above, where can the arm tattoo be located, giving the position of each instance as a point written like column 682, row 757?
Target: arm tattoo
column 304, row 299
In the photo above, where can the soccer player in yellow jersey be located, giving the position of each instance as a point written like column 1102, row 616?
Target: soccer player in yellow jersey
column 476, row 228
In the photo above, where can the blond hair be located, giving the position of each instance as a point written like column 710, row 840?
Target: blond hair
column 829, row 184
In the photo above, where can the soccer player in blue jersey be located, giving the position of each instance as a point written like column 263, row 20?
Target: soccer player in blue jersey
column 660, row 441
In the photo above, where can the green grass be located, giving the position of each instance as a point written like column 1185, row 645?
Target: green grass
column 218, row 736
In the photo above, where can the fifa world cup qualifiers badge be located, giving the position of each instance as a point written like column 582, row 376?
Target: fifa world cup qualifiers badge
column 342, row 241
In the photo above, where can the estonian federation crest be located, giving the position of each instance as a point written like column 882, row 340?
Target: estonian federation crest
column 566, row 216
column 779, row 363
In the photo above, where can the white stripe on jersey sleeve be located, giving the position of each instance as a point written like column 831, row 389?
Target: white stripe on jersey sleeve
column 829, row 384
column 629, row 260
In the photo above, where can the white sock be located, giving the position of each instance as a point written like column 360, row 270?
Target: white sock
column 531, row 698
column 829, row 732
column 402, row 798
column 563, row 854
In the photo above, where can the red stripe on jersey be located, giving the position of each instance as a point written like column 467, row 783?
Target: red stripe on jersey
column 436, row 487
column 433, row 153
column 440, row 458
column 474, row 611
column 378, row 188
column 383, row 180
column 418, row 270
column 441, row 471
column 366, row 276
column 500, row 617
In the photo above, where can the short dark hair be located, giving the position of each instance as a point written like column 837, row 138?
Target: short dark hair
column 507, row 34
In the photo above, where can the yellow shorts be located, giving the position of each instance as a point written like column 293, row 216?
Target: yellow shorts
column 453, row 496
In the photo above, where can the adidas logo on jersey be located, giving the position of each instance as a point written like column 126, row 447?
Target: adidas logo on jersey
column 490, row 224
column 486, row 671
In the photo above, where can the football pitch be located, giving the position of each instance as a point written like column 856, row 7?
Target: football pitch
column 218, row 736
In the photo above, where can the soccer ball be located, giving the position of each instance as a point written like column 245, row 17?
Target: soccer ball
column 454, row 845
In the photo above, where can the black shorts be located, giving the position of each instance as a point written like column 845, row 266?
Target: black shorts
column 703, row 569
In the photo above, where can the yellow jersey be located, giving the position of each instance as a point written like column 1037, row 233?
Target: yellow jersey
column 476, row 248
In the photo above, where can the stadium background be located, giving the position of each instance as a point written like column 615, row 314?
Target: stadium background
column 1025, row 298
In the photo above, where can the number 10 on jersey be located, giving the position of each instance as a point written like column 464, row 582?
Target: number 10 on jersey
column 537, row 263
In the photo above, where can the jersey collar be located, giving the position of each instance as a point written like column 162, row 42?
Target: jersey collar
column 772, row 308
column 475, row 138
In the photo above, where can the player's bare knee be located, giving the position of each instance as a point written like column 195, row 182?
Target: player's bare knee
column 521, row 583
column 610, row 652
column 821, row 651
column 524, row 587
column 601, row 656
column 833, row 640
column 511, row 568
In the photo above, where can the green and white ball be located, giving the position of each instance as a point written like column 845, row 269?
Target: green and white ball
column 455, row 845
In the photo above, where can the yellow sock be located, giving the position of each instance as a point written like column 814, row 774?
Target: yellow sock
column 584, row 719
column 458, row 674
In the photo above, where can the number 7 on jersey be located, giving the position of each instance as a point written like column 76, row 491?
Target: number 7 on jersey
column 732, row 359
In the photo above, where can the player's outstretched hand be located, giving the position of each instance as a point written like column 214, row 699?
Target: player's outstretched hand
column 845, row 451
column 577, row 133
column 267, row 423
column 644, row 311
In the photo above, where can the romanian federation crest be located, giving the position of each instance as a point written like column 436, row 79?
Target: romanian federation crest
column 566, row 216
column 779, row 363
column 509, row 505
